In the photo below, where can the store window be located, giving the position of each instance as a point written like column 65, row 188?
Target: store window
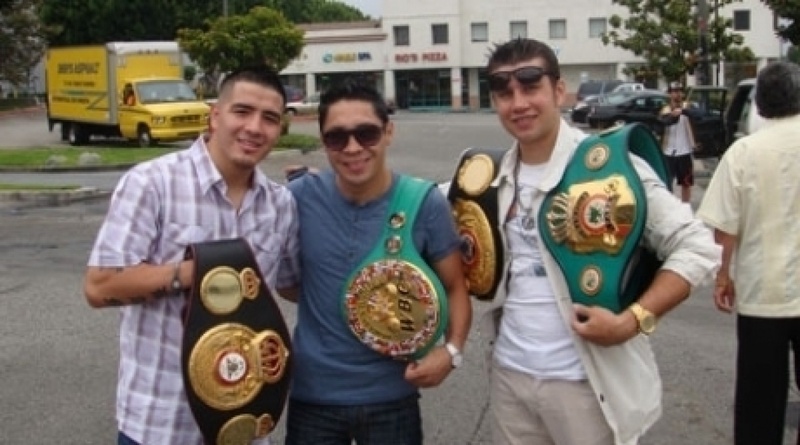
column 597, row 27
column 401, row 37
column 480, row 32
column 741, row 20
column 440, row 35
column 519, row 30
column 423, row 89
column 558, row 29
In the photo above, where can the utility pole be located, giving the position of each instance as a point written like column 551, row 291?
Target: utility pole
column 703, row 72
column 224, row 8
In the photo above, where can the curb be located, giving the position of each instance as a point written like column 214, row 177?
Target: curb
column 51, row 198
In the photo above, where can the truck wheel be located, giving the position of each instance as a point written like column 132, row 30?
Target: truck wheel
column 77, row 135
column 64, row 132
column 144, row 137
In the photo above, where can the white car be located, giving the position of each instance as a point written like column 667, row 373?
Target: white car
column 308, row 105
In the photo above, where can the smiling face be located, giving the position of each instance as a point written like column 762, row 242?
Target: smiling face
column 360, row 166
column 529, row 110
column 246, row 123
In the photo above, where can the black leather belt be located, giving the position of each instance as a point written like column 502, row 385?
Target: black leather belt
column 474, row 200
column 236, row 347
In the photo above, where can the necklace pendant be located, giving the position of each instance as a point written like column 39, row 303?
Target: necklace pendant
column 528, row 223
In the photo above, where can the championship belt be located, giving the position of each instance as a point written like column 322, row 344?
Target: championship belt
column 594, row 219
column 394, row 303
column 236, row 346
column 475, row 207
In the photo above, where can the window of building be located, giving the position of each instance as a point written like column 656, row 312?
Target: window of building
column 741, row 20
column 401, row 35
column 597, row 27
column 519, row 30
column 558, row 29
column 480, row 32
column 440, row 35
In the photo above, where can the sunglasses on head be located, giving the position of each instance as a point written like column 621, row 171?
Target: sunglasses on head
column 526, row 76
column 367, row 135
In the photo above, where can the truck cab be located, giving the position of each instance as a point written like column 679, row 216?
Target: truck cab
column 154, row 109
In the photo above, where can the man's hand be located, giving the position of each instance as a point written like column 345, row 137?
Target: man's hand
column 431, row 370
column 603, row 327
column 724, row 294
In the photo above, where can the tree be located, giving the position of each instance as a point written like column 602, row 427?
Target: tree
column 22, row 40
column 666, row 35
column 789, row 10
column 89, row 22
column 262, row 36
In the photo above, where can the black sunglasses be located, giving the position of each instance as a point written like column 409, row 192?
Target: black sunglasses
column 367, row 135
column 526, row 76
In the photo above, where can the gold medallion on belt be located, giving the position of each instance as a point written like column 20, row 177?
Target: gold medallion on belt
column 230, row 363
column 392, row 307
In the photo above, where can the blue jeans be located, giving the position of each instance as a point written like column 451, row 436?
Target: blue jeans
column 392, row 423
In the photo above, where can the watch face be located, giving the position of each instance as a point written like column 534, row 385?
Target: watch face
column 648, row 324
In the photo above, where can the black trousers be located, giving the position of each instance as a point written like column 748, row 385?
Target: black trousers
column 762, row 377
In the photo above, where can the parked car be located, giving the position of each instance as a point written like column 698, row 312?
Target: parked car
column 580, row 111
column 628, row 86
column 741, row 117
column 706, row 111
column 293, row 94
column 309, row 105
column 638, row 106
column 596, row 88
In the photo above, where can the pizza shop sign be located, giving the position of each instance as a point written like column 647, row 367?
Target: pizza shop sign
column 421, row 57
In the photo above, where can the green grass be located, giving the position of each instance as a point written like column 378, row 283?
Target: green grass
column 123, row 154
column 36, row 187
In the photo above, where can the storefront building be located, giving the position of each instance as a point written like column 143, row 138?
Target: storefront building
column 430, row 55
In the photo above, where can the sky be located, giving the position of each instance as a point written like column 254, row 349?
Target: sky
column 369, row 7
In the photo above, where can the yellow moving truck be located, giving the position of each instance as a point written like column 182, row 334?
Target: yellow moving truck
column 134, row 90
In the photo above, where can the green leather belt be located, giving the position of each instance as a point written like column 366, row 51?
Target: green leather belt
column 395, row 303
column 594, row 219
column 236, row 346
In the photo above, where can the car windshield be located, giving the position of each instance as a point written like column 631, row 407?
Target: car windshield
column 159, row 91
column 617, row 97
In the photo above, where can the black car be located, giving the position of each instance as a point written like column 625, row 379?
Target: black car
column 580, row 111
column 637, row 106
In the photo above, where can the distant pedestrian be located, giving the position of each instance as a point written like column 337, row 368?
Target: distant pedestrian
column 678, row 142
column 753, row 203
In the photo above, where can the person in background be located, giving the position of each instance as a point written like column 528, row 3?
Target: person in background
column 212, row 190
column 752, row 202
column 563, row 373
column 678, row 141
column 342, row 390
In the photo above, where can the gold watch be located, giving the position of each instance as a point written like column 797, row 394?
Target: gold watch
column 645, row 318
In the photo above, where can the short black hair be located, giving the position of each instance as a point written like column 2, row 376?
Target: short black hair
column 353, row 89
column 521, row 50
column 778, row 90
column 262, row 75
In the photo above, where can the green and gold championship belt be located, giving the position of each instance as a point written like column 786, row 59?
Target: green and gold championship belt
column 474, row 201
column 395, row 303
column 236, row 346
column 592, row 222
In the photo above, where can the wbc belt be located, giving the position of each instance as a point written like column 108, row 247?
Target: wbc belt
column 473, row 199
column 595, row 217
column 394, row 303
column 236, row 346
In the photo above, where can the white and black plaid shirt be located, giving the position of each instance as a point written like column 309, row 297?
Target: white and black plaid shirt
column 157, row 210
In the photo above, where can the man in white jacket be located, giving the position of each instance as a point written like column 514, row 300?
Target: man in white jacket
column 565, row 373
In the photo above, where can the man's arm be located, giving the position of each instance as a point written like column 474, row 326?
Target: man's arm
column 434, row 367
column 119, row 286
column 724, row 291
